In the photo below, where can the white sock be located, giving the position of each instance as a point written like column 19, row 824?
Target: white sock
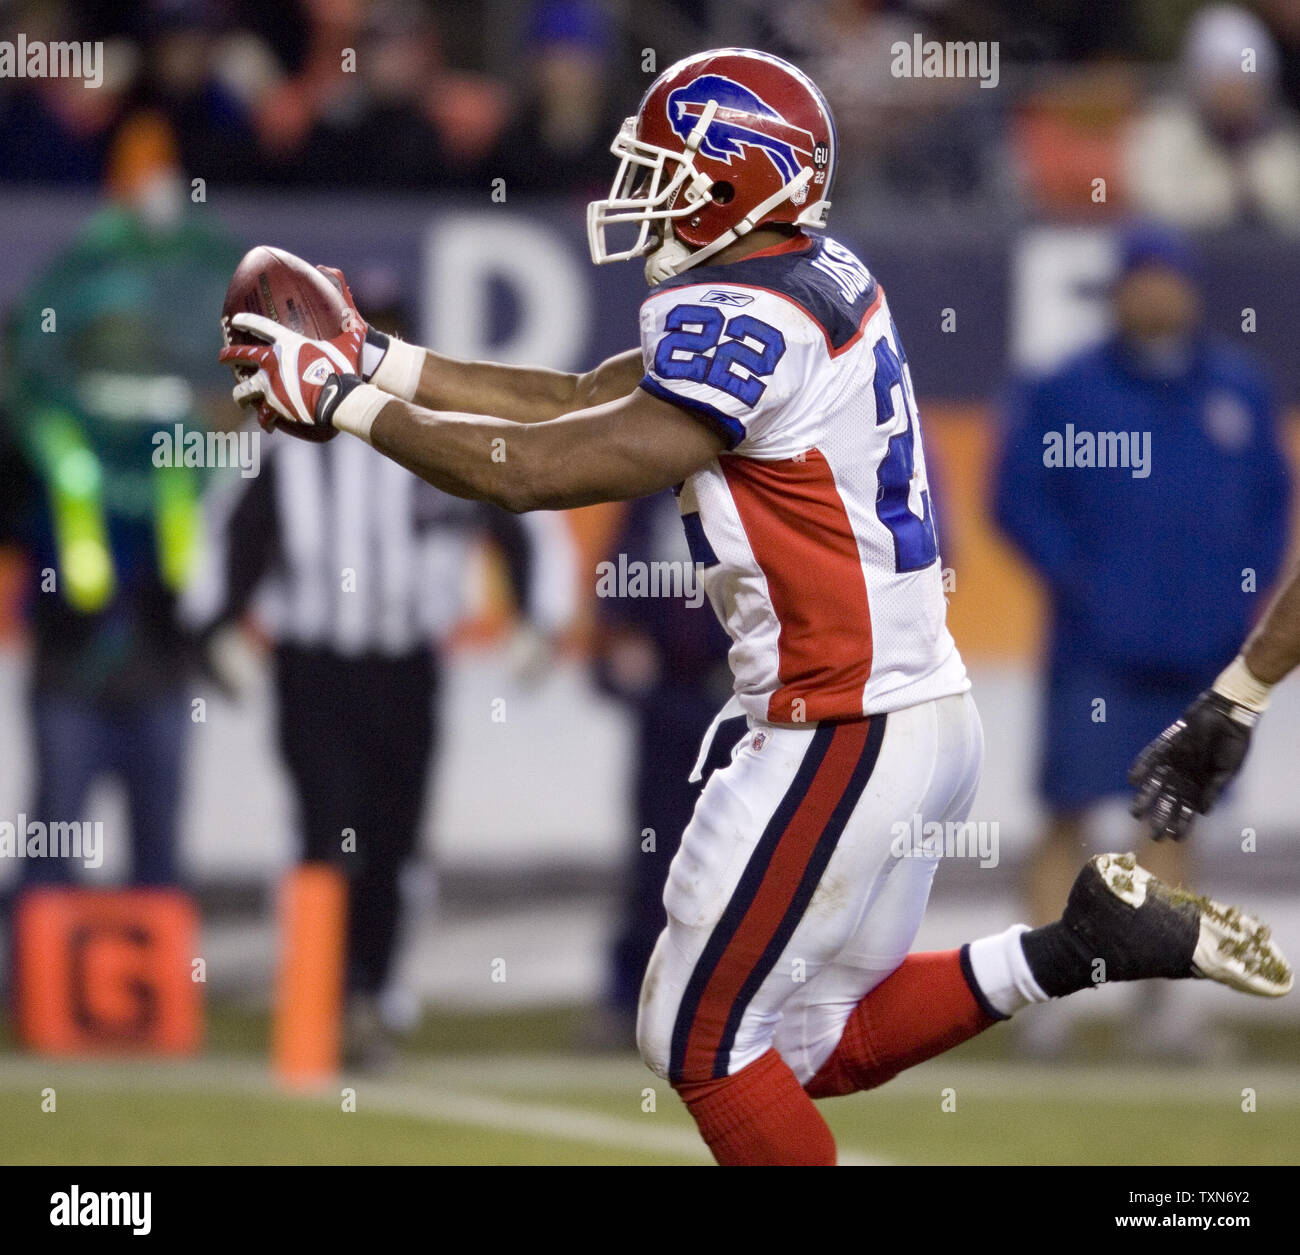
column 1002, row 972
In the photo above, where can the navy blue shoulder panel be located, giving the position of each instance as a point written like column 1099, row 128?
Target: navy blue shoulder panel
column 825, row 280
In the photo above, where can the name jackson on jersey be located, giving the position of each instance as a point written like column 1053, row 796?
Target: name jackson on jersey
column 815, row 532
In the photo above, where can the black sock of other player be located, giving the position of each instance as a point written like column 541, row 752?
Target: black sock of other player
column 1059, row 959
column 1101, row 938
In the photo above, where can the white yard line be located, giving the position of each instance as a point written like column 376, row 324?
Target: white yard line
column 567, row 1123
column 994, row 1080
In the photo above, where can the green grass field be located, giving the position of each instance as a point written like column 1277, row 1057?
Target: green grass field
column 540, row 1105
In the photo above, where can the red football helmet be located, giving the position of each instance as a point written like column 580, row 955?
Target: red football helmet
column 723, row 142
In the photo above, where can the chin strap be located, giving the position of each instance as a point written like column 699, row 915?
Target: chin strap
column 672, row 256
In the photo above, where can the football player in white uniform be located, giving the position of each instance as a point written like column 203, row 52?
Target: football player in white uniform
column 772, row 390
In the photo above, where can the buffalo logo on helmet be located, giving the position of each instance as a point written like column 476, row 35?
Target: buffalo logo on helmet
column 742, row 118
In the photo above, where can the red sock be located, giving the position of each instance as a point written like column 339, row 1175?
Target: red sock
column 758, row 1116
column 919, row 1011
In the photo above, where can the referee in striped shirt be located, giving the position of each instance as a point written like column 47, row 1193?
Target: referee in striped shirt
column 357, row 570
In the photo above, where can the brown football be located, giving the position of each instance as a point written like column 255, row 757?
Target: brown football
column 278, row 285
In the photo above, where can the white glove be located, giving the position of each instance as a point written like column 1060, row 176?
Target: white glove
column 289, row 371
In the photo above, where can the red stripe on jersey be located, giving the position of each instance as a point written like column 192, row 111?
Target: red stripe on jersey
column 774, row 897
column 803, row 542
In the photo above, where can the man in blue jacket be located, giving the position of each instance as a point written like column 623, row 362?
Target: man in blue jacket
column 1144, row 482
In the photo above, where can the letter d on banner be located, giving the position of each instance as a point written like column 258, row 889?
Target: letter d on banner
column 470, row 258
column 307, row 1034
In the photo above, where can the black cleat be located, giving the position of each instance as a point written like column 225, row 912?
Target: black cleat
column 1139, row 928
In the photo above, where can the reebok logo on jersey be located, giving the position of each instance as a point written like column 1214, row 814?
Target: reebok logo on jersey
column 715, row 296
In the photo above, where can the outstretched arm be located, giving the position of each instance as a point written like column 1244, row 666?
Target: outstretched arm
column 521, row 394
column 611, row 452
column 625, row 448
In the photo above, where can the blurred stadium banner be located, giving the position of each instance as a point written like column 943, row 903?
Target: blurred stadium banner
column 972, row 300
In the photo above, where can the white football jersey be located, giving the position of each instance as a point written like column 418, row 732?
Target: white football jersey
column 814, row 534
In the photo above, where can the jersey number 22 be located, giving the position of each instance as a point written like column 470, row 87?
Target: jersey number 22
column 735, row 350
column 915, row 544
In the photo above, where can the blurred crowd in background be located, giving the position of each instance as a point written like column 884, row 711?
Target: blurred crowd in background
column 447, row 95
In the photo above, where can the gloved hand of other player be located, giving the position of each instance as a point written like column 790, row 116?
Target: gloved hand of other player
column 301, row 380
column 1185, row 769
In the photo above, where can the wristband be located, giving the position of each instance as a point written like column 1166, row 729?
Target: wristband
column 355, row 412
column 1240, row 685
column 398, row 371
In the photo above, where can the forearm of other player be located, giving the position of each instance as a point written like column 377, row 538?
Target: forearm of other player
column 1272, row 651
column 630, row 447
column 519, row 393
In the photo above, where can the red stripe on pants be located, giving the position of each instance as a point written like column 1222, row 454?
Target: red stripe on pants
column 773, row 899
